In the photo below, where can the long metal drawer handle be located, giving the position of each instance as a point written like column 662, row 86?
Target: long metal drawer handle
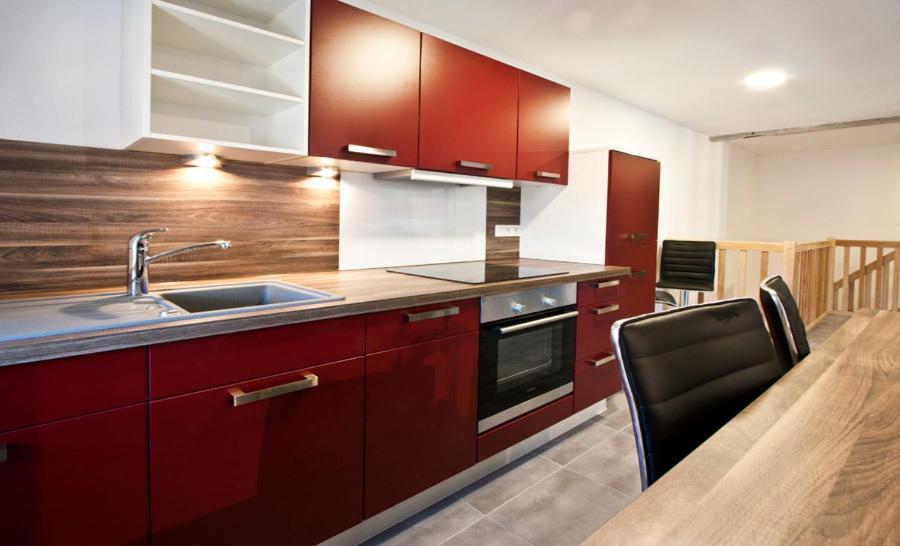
column 607, row 284
column 599, row 362
column 538, row 322
column 368, row 150
column 4, row 453
column 428, row 315
column 239, row 397
column 604, row 310
column 547, row 174
column 475, row 165
column 637, row 236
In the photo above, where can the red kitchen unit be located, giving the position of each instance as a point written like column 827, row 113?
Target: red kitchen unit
column 469, row 112
column 543, row 134
column 363, row 87
column 509, row 434
column 229, row 468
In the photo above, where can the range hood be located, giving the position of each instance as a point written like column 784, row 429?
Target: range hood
column 417, row 175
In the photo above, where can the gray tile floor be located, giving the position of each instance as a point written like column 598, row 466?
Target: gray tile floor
column 558, row 494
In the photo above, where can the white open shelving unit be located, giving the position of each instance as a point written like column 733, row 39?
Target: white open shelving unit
column 230, row 73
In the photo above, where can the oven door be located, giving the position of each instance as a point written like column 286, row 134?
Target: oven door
column 525, row 362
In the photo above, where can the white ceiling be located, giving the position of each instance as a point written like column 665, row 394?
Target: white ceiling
column 685, row 59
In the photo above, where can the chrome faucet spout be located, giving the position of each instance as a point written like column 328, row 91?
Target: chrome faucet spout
column 139, row 258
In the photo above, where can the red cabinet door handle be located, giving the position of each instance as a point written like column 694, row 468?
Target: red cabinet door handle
column 547, row 174
column 601, row 361
column 239, row 397
column 475, row 165
column 607, row 284
column 428, row 315
column 637, row 236
column 604, row 310
column 369, row 150
column 638, row 273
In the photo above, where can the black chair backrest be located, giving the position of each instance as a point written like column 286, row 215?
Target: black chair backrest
column 687, row 372
column 687, row 265
column 785, row 324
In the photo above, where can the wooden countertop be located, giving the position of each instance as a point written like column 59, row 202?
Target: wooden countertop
column 364, row 291
column 814, row 460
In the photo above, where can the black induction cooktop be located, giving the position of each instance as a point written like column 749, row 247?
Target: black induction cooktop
column 476, row 272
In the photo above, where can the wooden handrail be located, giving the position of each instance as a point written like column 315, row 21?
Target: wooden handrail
column 870, row 267
column 866, row 243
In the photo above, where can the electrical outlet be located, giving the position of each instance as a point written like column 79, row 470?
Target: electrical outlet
column 506, row 230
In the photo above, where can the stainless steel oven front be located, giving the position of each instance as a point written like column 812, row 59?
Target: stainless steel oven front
column 527, row 352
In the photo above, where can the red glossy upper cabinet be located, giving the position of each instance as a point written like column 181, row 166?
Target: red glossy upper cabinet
column 468, row 113
column 632, row 199
column 76, row 481
column 543, row 151
column 363, row 87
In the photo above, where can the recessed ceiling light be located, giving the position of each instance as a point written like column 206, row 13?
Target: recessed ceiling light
column 765, row 79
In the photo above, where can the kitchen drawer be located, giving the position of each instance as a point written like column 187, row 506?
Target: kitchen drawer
column 601, row 290
column 192, row 365
column 508, row 434
column 592, row 329
column 595, row 379
column 287, row 469
column 39, row 392
column 401, row 327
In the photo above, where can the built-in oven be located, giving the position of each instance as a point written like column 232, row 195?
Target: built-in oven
column 527, row 352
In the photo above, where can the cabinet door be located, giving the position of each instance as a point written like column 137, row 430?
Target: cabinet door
column 543, row 150
column 280, row 470
column 633, row 199
column 641, row 287
column 468, row 114
column 595, row 379
column 78, row 481
column 420, row 417
column 363, row 87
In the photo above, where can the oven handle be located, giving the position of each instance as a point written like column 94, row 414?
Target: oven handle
column 538, row 322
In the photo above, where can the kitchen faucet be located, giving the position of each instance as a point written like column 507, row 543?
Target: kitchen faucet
column 139, row 258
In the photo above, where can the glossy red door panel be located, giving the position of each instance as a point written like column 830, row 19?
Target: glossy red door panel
column 633, row 199
column 401, row 327
column 468, row 111
column 595, row 379
column 543, row 134
column 39, row 392
column 77, row 481
column 593, row 326
column 601, row 290
column 364, row 85
column 420, row 417
column 508, row 434
column 641, row 258
column 185, row 366
column 285, row 470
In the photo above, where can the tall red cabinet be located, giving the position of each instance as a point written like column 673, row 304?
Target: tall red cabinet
column 632, row 220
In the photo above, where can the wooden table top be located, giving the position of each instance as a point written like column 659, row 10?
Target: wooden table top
column 814, row 460
column 364, row 291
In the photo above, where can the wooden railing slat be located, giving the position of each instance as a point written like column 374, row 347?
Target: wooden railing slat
column 846, row 280
column 879, row 278
column 742, row 274
column 763, row 265
column 720, row 280
column 895, row 290
column 862, row 278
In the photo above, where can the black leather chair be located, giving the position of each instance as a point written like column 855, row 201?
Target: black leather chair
column 785, row 324
column 687, row 266
column 687, row 372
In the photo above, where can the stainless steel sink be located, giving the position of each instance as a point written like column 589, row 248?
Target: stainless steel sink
column 243, row 297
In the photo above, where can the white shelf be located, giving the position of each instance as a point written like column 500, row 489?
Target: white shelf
column 280, row 16
column 213, row 95
column 238, row 151
column 179, row 27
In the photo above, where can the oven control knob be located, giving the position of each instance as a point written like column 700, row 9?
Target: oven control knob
column 548, row 301
column 517, row 307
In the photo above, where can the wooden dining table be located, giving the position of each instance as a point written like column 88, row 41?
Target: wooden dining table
column 814, row 460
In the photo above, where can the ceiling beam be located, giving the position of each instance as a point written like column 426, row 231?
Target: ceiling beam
column 807, row 129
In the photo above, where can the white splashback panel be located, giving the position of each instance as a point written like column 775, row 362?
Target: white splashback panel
column 385, row 223
column 568, row 223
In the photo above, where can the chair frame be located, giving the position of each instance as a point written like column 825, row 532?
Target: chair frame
column 783, row 318
column 627, row 380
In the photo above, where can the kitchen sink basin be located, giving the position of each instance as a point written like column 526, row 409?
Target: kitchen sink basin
column 243, row 297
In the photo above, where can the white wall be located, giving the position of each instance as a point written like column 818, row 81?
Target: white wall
column 849, row 193
column 61, row 71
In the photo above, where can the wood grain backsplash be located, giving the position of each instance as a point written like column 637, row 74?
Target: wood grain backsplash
column 502, row 208
column 66, row 214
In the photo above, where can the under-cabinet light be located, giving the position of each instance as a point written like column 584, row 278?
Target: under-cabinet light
column 205, row 161
column 415, row 175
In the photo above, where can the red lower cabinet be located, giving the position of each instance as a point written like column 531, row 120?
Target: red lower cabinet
column 420, row 417
column 595, row 379
column 285, row 469
column 79, row 481
column 641, row 289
